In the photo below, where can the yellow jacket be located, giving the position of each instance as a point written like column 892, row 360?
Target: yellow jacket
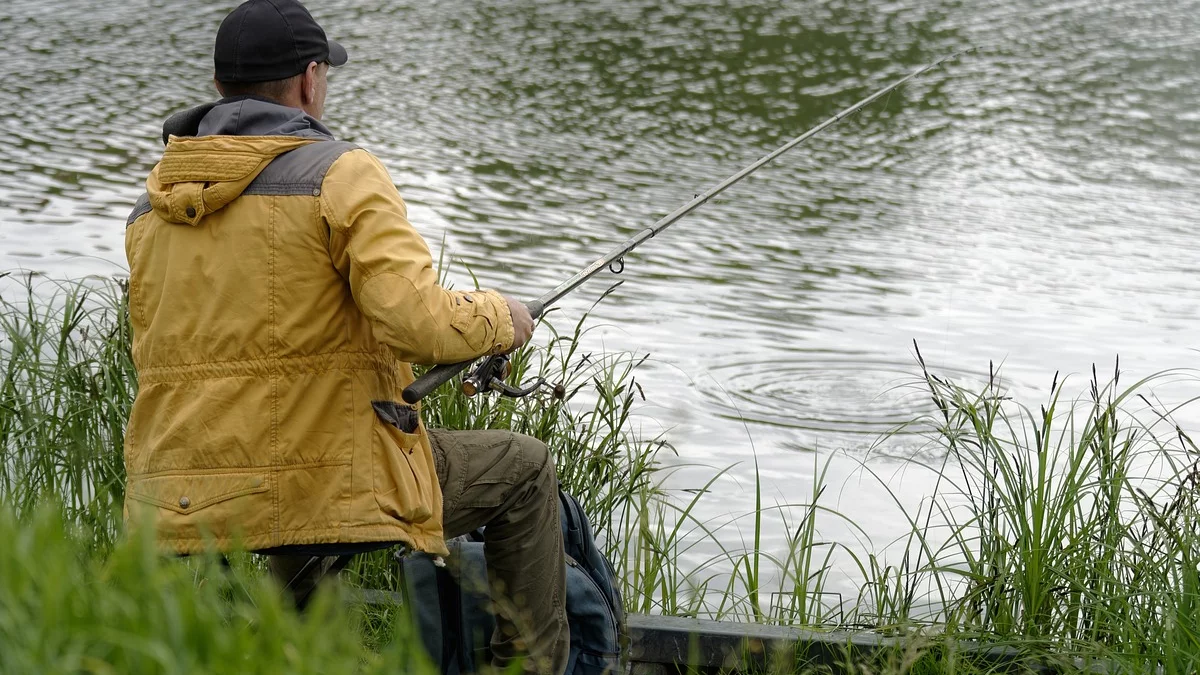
column 278, row 294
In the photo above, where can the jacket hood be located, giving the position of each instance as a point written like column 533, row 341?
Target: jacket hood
column 216, row 150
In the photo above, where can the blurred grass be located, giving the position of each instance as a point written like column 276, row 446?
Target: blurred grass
column 66, row 609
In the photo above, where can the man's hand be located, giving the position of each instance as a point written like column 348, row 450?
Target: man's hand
column 522, row 322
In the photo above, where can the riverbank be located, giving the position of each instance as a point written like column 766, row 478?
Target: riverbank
column 1065, row 529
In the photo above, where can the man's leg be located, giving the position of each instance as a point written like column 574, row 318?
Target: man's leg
column 300, row 574
column 506, row 483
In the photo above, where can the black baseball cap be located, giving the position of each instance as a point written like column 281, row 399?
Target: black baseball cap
column 265, row 40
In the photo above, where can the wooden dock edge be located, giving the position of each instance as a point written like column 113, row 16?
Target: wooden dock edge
column 667, row 645
column 662, row 645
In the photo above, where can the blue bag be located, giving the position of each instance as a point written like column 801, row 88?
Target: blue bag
column 455, row 625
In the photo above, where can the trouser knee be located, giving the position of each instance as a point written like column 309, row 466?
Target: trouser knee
column 537, row 458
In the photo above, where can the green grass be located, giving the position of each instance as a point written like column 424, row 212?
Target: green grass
column 66, row 609
column 1070, row 527
column 1067, row 529
column 68, row 383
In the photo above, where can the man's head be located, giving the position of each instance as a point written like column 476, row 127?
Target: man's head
column 275, row 49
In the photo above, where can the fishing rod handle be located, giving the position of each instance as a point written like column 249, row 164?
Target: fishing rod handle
column 441, row 374
column 432, row 379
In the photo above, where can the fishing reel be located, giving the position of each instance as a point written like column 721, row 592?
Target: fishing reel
column 491, row 373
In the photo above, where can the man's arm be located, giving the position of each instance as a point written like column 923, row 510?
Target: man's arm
column 391, row 275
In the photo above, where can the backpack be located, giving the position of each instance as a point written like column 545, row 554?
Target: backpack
column 454, row 623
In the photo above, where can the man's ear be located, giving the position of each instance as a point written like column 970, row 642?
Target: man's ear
column 308, row 84
column 217, row 86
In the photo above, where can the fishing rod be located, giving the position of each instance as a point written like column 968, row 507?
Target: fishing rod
column 490, row 375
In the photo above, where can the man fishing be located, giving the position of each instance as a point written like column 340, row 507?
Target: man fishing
column 278, row 294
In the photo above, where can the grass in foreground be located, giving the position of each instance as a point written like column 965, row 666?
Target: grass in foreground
column 65, row 609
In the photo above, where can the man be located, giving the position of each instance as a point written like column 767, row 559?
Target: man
column 278, row 294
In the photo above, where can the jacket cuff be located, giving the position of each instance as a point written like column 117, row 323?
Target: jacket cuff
column 504, row 329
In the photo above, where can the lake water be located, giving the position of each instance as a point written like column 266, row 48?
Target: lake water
column 1031, row 204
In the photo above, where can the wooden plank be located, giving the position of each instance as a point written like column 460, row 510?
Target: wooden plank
column 726, row 645
column 667, row 645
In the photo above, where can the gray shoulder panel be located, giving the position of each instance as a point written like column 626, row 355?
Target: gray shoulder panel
column 140, row 208
column 299, row 171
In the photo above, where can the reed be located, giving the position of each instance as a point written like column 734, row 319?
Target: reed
column 1069, row 528
column 68, row 383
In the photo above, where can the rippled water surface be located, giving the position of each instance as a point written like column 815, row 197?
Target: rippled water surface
column 1032, row 203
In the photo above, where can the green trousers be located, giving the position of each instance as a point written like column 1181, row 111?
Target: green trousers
column 504, row 482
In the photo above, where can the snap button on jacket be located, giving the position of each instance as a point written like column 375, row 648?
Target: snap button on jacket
column 277, row 289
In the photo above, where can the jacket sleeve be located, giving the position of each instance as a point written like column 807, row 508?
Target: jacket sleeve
column 391, row 275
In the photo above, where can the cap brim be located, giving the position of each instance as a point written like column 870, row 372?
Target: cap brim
column 337, row 54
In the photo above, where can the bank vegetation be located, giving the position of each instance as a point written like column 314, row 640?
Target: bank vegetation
column 1065, row 529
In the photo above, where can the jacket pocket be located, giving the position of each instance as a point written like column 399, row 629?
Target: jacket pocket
column 401, row 488
column 186, row 494
column 403, row 417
